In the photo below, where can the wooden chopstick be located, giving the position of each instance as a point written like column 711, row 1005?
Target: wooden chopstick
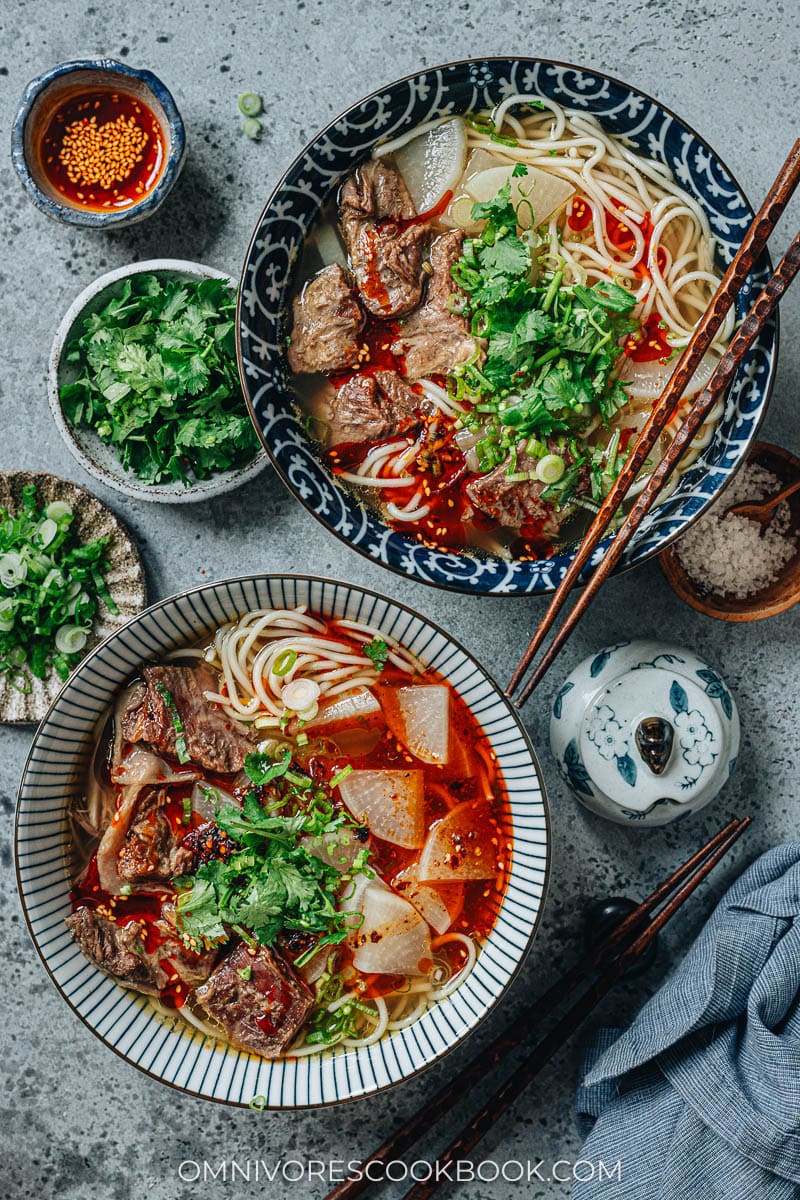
column 502, row 1099
column 529, row 1017
column 743, row 339
column 752, row 246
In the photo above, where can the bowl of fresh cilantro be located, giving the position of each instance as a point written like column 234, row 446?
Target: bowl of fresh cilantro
column 144, row 386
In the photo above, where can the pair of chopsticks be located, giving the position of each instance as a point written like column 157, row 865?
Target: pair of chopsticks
column 752, row 247
column 607, row 962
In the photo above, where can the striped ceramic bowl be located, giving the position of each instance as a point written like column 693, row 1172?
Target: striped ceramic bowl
column 165, row 1047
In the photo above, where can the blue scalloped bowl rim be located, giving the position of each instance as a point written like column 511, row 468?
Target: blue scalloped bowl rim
column 90, row 219
column 313, row 177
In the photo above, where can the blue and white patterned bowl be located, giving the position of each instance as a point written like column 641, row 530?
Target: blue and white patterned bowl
column 168, row 1049
column 313, row 178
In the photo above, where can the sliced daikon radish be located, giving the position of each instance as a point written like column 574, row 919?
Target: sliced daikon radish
column 463, row 845
column 420, row 718
column 207, row 799
column 647, row 380
column 535, row 196
column 351, row 709
column 438, row 903
column 393, row 938
column 391, row 803
column 433, row 163
column 339, row 849
column 326, row 241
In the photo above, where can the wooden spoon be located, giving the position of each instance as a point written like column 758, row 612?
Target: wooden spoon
column 762, row 511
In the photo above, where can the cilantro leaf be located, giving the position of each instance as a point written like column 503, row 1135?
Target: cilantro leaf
column 378, row 651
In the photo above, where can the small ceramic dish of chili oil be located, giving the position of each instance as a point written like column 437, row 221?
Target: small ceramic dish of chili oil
column 97, row 143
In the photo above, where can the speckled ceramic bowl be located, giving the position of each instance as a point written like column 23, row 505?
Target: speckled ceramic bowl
column 165, row 1047
column 313, row 178
column 125, row 579
column 91, row 452
column 44, row 93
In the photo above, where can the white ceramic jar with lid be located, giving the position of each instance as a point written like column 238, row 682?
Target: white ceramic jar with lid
column 644, row 732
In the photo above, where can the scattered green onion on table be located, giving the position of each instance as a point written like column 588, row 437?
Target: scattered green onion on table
column 51, row 588
column 158, row 381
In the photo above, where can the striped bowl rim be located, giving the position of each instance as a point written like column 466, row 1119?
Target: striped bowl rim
column 169, row 1050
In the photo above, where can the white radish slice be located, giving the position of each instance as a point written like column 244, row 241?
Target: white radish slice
column 328, row 245
column 391, row 803
column 393, row 938
column 647, row 380
column 420, row 718
column 433, row 163
column 353, row 709
column 536, row 196
column 438, row 903
column 463, row 845
column 207, row 799
column 339, row 849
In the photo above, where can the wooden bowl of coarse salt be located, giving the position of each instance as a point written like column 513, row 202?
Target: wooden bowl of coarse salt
column 723, row 566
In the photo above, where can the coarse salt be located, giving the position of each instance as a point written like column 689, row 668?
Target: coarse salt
column 729, row 555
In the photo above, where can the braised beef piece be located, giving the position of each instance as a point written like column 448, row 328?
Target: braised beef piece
column 119, row 951
column 212, row 739
column 370, row 407
column 151, row 852
column 262, row 1012
column 515, row 504
column 385, row 254
column 327, row 322
column 434, row 339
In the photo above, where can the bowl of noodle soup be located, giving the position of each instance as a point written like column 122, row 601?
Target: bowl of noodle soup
column 419, row 943
column 624, row 211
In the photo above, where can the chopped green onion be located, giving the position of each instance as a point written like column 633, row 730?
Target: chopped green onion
column 284, row 663
column 245, row 972
column 57, row 510
column 302, row 739
column 253, row 129
column 250, row 104
column 70, row 639
column 177, row 724
column 341, row 775
column 48, row 530
column 125, row 890
column 13, row 569
column 550, row 468
column 187, row 809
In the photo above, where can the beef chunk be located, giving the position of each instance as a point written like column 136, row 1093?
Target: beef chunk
column 212, row 739
column 512, row 504
column 327, row 322
column 119, row 951
column 434, row 339
column 262, row 1013
column 370, row 407
column 151, row 852
column 385, row 253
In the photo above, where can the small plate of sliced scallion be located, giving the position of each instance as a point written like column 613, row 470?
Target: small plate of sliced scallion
column 70, row 575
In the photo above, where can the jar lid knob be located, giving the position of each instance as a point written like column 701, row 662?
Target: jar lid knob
column 654, row 739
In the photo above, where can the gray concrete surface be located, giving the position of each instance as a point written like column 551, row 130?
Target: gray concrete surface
column 75, row 1122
